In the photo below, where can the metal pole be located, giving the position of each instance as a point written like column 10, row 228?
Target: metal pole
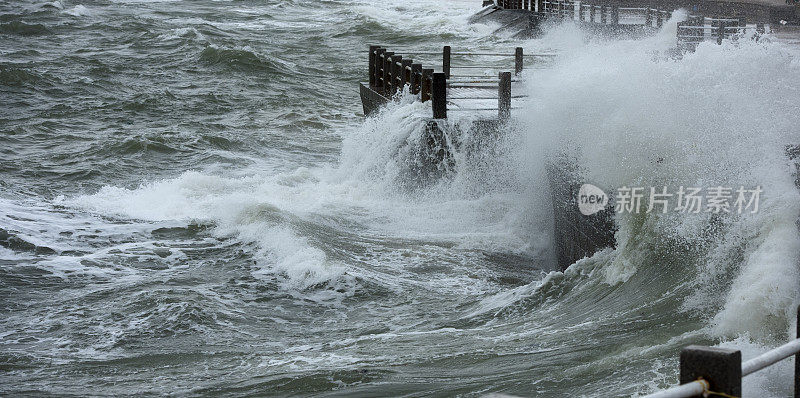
column 518, row 63
column 439, row 92
column 720, row 367
column 446, row 61
column 504, row 96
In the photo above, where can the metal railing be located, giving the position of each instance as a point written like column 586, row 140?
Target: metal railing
column 710, row 371
column 588, row 12
column 697, row 29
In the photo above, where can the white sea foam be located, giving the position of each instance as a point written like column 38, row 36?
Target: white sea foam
column 719, row 116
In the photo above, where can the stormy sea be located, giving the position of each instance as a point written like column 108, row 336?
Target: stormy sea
column 192, row 203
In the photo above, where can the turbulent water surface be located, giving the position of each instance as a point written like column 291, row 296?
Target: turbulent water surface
column 192, row 203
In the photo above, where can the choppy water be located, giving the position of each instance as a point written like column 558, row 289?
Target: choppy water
column 193, row 204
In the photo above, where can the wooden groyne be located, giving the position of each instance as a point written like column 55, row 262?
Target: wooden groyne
column 467, row 81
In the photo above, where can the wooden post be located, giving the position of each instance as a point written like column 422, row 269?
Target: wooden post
column 720, row 31
column 378, row 78
column 603, row 14
column 405, row 73
column 446, row 61
column 427, row 76
column 504, row 96
column 416, row 78
column 518, row 60
column 720, row 367
column 387, row 72
column 659, row 21
column 591, row 13
column 526, row 5
column 372, row 65
column 580, row 12
column 615, row 15
column 396, row 73
column 648, row 17
column 439, row 94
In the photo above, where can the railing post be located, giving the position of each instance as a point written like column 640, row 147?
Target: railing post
column 539, row 6
column 504, row 96
column 580, row 12
column 603, row 14
column 387, row 73
column 720, row 367
column 797, row 360
column 439, row 93
column 648, row 17
column 446, row 61
column 518, row 60
column 427, row 77
column 372, row 50
column 720, row 31
column 615, row 15
column 659, row 20
column 416, row 78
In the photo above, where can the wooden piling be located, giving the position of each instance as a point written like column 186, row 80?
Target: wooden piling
column 720, row 31
column 659, row 19
column 405, row 73
column 603, row 14
column 518, row 60
column 648, row 17
column 427, row 78
column 439, row 95
column 372, row 50
column 416, row 78
column 396, row 59
column 591, row 13
column 387, row 73
column 378, row 77
column 615, row 15
column 446, row 61
column 504, row 96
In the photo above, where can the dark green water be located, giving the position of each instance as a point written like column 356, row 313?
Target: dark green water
column 191, row 203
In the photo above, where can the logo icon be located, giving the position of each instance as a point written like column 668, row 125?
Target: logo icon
column 591, row 199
